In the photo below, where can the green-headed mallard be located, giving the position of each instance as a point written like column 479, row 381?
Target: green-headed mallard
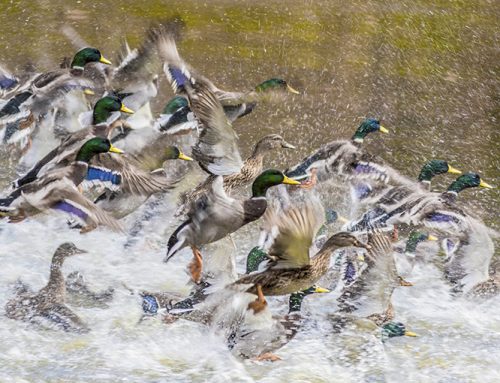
column 383, row 198
column 131, row 180
column 215, row 215
column 49, row 303
column 58, row 189
column 343, row 158
column 65, row 153
column 236, row 104
column 290, row 268
column 251, row 168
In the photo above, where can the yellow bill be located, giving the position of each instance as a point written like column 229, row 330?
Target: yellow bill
column 182, row 156
column 409, row 333
column 124, row 109
column 321, row 290
column 383, row 130
column 452, row 170
column 430, row 237
column 291, row 90
column 485, row 185
column 88, row 92
column 342, row 219
column 289, row 181
column 112, row 149
column 104, row 60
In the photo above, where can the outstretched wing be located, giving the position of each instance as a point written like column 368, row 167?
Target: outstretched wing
column 295, row 228
column 126, row 174
column 217, row 148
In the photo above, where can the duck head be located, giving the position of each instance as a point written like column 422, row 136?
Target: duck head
column 174, row 153
column 275, row 84
column 435, row 167
column 344, row 239
column 95, row 146
column 254, row 258
column 368, row 126
column 415, row 238
column 86, row 56
column 295, row 301
column 269, row 178
column 271, row 142
column 107, row 105
column 175, row 104
column 393, row 329
column 68, row 249
column 468, row 180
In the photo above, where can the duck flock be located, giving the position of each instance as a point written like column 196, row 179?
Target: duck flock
column 107, row 159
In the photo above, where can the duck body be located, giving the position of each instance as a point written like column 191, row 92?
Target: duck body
column 58, row 189
column 292, row 269
column 343, row 158
column 49, row 303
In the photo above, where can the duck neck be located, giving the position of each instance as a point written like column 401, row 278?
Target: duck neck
column 56, row 279
column 295, row 303
column 321, row 261
column 259, row 189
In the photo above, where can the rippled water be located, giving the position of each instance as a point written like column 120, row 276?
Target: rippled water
column 429, row 71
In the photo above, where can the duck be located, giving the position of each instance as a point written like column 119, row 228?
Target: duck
column 236, row 104
column 259, row 339
column 48, row 304
column 384, row 198
column 216, row 215
column 130, row 181
column 58, row 190
column 104, row 115
column 369, row 296
column 343, row 158
column 290, row 268
column 251, row 168
column 407, row 256
column 425, row 208
column 34, row 100
column 176, row 117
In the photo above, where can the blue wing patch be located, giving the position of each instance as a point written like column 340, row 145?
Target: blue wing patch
column 177, row 77
column 71, row 209
column 441, row 217
column 96, row 175
column 150, row 304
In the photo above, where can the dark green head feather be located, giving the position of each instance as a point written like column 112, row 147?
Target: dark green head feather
column 175, row 104
column 414, row 239
column 295, row 301
column 368, row 126
column 85, row 56
column 255, row 257
column 104, row 107
column 394, row 329
column 468, row 180
column 93, row 147
column 267, row 179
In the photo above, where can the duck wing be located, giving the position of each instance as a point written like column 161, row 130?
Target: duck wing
column 63, row 317
column 295, row 230
column 217, row 148
column 126, row 174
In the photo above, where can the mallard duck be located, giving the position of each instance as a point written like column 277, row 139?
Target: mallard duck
column 58, row 189
column 236, row 104
column 65, row 153
column 290, row 268
column 343, row 158
column 131, row 181
column 177, row 117
column 408, row 255
column 251, row 168
column 395, row 329
column 421, row 207
column 215, row 215
column 387, row 195
column 260, row 341
column 49, row 303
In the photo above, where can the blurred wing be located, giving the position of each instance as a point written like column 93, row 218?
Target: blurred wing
column 69, row 200
column 217, row 148
column 127, row 174
column 296, row 228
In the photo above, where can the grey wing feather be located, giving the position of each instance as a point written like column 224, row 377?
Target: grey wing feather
column 217, row 148
column 296, row 228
